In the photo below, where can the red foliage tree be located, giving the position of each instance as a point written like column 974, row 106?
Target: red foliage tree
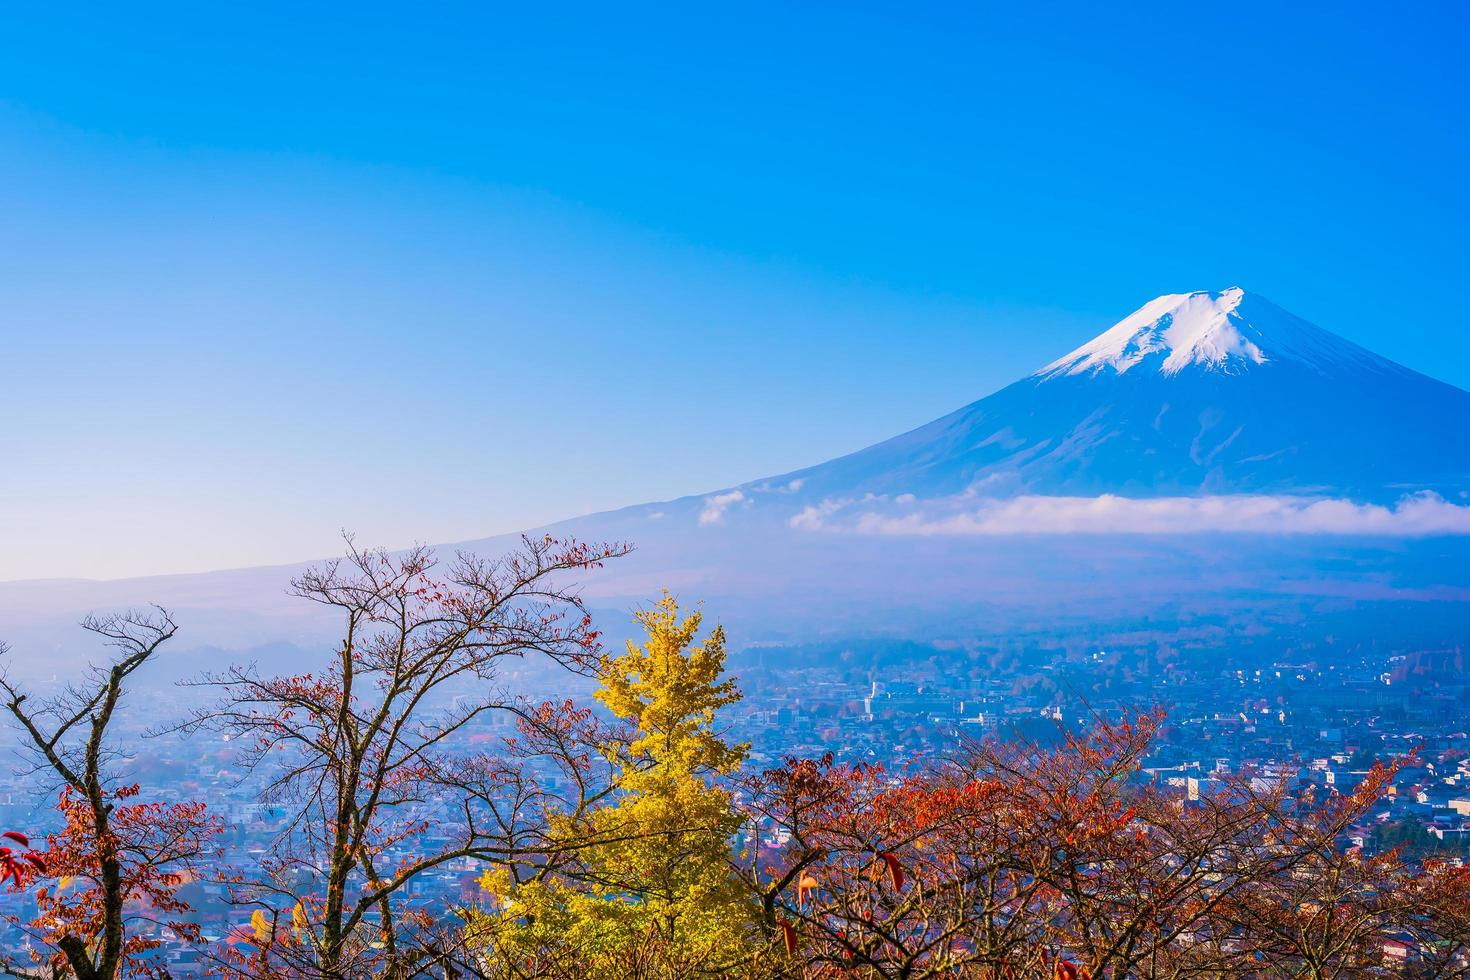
column 120, row 861
column 156, row 848
column 1020, row 861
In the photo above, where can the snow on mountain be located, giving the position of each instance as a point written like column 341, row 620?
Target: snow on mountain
column 1226, row 332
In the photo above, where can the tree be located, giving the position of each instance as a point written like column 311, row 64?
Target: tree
column 367, row 755
column 1014, row 860
column 1336, row 912
column 956, row 870
column 1436, row 903
column 642, row 885
column 120, row 860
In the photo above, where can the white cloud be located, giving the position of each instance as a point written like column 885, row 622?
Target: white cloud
column 1417, row 515
column 791, row 487
column 715, row 507
column 813, row 517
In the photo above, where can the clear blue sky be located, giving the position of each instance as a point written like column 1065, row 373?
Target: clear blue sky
column 267, row 271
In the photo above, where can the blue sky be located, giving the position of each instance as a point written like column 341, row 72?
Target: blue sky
column 269, row 272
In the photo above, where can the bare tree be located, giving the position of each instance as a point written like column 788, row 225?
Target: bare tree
column 368, row 754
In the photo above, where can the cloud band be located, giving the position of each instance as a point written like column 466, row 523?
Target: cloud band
column 1416, row 515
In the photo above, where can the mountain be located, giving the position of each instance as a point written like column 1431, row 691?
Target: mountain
column 1195, row 393
column 1210, row 460
column 1211, row 450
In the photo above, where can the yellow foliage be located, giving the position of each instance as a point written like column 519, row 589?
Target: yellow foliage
column 651, row 868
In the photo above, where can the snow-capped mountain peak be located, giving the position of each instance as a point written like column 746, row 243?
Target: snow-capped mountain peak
column 1226, row 332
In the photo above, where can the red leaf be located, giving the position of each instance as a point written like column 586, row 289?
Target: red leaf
column 895, row 870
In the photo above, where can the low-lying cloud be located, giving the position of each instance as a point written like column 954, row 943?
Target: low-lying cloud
column 1417, row 515
column 715, row 507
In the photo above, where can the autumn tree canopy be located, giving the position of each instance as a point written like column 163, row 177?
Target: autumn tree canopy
column 630, row 837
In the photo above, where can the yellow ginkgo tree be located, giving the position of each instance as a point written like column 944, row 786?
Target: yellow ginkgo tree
column 645, row 885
